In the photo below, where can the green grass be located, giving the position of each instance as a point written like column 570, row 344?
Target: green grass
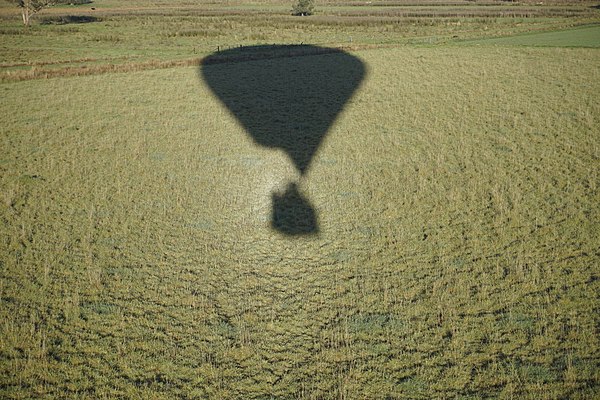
column 581, row 37
column 457, row 197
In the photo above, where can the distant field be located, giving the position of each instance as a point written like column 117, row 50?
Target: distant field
column 133, row 36
column 456, row 196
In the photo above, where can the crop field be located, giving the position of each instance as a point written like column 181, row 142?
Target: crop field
column 366, row 203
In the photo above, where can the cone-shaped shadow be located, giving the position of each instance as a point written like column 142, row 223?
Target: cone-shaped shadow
column 288, row 99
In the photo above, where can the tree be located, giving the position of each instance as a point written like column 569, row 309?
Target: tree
column 31, row 7
column 303, row 7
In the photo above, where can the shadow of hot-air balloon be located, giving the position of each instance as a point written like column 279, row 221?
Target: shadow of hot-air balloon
column 286, row 97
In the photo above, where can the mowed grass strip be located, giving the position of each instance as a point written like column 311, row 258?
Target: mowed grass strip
column 588, row 36
column 457, row 197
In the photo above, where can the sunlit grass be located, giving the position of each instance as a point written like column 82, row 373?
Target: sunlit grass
column 456, row 195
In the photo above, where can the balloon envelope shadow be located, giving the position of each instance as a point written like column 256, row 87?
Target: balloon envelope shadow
column 286, row 97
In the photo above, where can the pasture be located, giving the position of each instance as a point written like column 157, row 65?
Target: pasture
column 456, row 194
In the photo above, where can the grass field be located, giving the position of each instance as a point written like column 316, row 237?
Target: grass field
column 456, row 194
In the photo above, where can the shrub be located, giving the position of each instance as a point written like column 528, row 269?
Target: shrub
column 303, row 7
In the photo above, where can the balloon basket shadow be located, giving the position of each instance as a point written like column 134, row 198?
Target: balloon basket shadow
column 292, row 213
